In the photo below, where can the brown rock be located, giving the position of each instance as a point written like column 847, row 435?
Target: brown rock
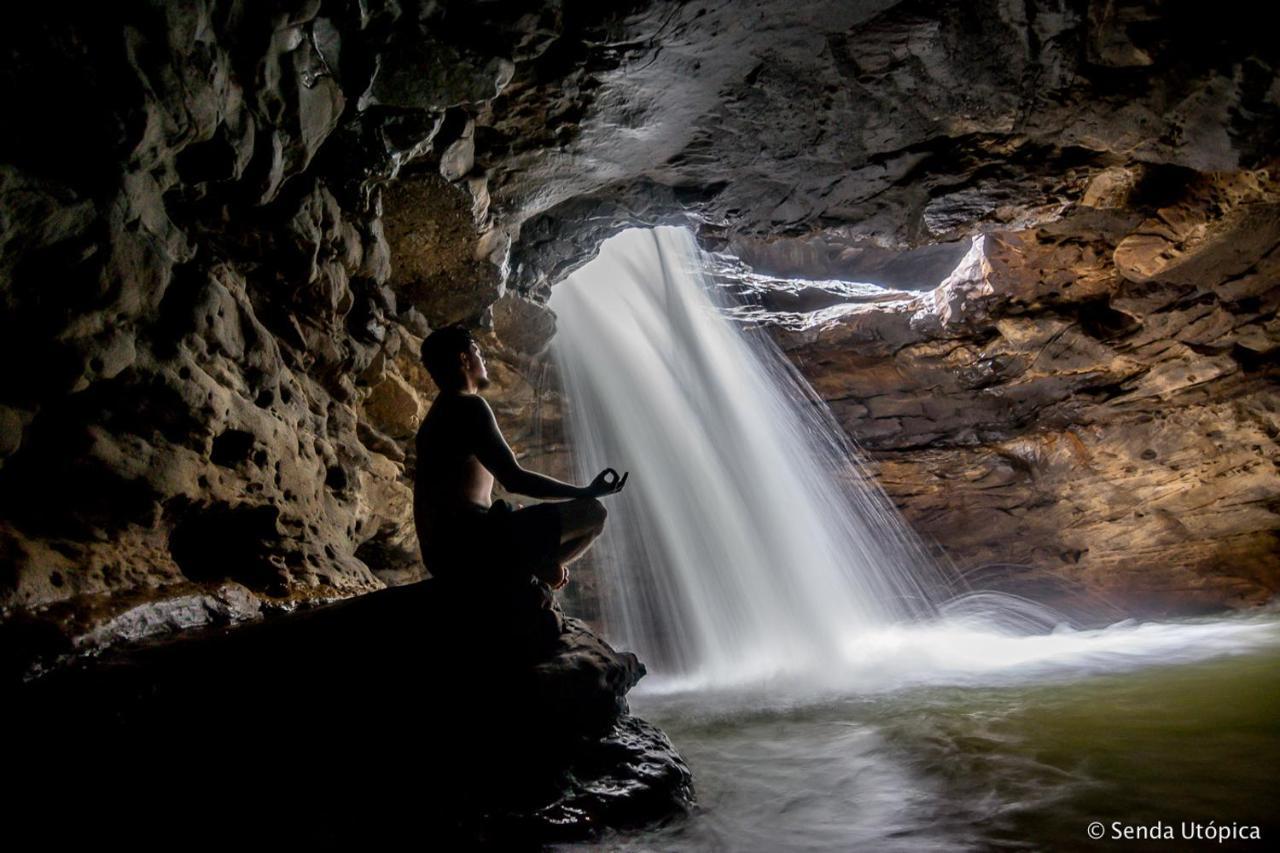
column 523, row 325
column 393, row 407
column 1126, row 447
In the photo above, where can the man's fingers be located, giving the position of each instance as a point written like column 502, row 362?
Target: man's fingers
column 610, row 481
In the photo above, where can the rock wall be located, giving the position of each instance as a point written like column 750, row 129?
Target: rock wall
column 1092, row 400
column 225, row 227
column 883, row 124
column 213, row 372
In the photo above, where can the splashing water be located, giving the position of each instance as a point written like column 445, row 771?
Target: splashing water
column 749, row 546
column 752, row 556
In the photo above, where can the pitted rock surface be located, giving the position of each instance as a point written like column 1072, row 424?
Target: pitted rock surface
column 219, row 377
column 226, row 228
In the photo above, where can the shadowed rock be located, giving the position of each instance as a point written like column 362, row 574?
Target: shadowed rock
column 459, row 715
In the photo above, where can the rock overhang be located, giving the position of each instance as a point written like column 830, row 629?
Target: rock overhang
column 894, row 125
column 237, row 248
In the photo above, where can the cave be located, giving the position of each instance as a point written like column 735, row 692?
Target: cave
column 966, row 315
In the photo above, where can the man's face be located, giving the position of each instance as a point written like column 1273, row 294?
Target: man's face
column 475, row 366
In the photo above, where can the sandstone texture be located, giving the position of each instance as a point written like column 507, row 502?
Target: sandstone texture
column 1069, row 383
column 1094, row 399
column 225, row 228
column 214, row 380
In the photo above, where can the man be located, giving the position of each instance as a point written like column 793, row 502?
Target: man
column 460, row 452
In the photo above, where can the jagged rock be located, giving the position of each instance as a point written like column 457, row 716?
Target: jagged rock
column 249, row 220
column 422, row 73
column 894, row 125
column 1094, row 400
column 393, row 407
column 456, row 161
column 523, row 325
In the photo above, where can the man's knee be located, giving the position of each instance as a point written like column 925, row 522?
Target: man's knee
column 596, row 514
column 583, row 516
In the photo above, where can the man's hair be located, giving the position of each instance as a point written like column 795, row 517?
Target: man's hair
column 440, row 353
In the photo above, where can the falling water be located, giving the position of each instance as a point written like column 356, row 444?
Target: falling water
column 749, row 543
column 748, row 552
column 749, row 540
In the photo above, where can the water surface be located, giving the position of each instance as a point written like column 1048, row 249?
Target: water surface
column 1020, row 758
column 831, row 687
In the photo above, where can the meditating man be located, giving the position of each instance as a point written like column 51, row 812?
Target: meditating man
column 460, row 452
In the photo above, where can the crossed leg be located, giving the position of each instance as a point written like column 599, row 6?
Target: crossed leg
column 581, row 522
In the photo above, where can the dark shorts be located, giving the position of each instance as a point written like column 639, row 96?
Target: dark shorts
column 505, row 541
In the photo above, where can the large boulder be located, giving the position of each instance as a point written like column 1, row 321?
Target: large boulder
column 455, row 713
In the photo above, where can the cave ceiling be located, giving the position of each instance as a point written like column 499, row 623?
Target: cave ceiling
column 856, row 127
column 226, row 227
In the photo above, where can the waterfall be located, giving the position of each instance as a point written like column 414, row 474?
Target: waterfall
column 748, row 541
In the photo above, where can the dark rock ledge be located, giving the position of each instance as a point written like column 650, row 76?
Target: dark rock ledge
column 414, row 713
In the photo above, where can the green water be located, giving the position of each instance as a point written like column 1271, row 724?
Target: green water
column 1026, row 764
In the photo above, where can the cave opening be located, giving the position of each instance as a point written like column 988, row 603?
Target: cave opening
column 954, row 420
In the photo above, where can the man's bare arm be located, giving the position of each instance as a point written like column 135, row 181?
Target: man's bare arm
column 495, row 454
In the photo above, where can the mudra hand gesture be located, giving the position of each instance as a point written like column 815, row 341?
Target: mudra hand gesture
column 607, row 482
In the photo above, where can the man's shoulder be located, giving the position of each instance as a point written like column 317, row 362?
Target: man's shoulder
column 457, row 407
column 458, row 417
column 471, row 404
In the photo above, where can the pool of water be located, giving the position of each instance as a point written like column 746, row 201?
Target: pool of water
column 1146, row 729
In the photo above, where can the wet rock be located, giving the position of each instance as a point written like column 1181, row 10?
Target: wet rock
column 420, row 72
column 457, row 159
column 632, row 777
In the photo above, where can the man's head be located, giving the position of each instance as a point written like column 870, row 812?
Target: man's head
column 453, row 359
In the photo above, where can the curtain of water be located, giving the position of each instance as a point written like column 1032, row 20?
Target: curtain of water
column 748, row 540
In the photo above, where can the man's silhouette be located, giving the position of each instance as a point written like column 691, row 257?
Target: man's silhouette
column 460, row 452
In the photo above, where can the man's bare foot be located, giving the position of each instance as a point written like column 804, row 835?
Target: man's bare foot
column 553, row 575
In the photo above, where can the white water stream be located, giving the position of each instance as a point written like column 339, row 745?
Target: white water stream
column 749, row 548
column 827, row 686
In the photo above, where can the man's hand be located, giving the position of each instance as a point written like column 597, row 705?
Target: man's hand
column 607, row 482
